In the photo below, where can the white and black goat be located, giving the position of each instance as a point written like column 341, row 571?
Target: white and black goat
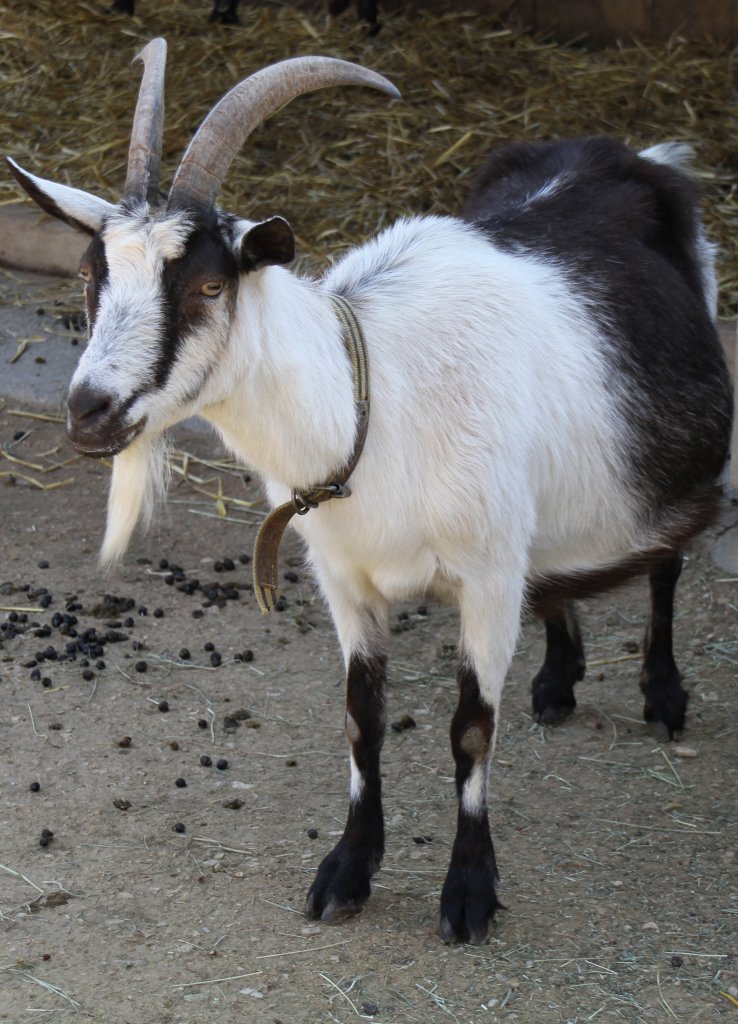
column 550, row 412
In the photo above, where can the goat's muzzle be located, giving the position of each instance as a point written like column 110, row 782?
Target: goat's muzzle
column 96, row 425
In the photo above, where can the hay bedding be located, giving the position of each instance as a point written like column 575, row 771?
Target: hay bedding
column 339, row 164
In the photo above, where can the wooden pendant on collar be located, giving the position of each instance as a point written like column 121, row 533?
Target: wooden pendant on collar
column 268, row 539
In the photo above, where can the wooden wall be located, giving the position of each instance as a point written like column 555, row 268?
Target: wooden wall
column 605, row 21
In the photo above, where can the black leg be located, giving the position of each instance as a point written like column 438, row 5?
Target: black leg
column 563, row 666
column 341, row 885
column 225, row 12
column 468, row 900
column 666, row 700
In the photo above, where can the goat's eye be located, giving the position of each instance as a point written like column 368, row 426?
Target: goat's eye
column 85, row 274
column 212, row 289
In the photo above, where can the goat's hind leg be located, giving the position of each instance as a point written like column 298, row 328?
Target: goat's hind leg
column 553, row 687
column 665, row 698
column 342, row 883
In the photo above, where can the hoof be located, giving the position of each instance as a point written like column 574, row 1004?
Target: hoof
column 553, row 714
column 342, row 884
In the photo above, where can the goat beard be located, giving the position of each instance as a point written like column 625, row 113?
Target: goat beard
column 139, row 480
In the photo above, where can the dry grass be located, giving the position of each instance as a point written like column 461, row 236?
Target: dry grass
column 339, row 164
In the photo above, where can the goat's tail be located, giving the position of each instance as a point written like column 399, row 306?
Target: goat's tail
column 139, row 478
column 679, row 155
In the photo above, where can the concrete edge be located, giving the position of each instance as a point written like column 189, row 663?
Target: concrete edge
column 34, row 242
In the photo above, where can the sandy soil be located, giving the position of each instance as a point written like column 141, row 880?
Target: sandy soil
column 617, row 853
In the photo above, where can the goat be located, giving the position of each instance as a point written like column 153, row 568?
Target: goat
column 226, row 11
column 550, row 412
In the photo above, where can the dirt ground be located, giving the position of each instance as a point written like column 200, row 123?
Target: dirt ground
column 617, row 853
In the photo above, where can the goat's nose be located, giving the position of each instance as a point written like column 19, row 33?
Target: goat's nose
column 87, row 407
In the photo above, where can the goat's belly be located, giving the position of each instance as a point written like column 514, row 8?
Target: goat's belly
column 584, row 552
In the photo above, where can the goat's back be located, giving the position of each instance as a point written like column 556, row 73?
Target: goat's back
column 626, row 231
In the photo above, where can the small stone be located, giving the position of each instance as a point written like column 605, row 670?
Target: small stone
column 680, row 750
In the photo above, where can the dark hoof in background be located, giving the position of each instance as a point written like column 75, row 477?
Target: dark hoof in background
column 553, row 714
column 665, row 709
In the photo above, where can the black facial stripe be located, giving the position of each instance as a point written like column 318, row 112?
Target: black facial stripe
column 206, row 258
column 96, row 262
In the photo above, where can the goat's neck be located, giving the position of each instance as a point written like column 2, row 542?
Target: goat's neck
column 289, row 409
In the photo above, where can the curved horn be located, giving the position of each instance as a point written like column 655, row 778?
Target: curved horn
column 144, row 153
column 224, row 131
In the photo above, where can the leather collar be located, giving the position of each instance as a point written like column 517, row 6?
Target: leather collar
column 269, row 536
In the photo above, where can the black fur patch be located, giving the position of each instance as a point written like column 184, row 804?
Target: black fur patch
column 207, row 257
column 624, row 230
column 95, row 261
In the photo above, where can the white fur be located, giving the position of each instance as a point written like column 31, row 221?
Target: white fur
column 491, row 402
column 87, row 209
column 139, row 478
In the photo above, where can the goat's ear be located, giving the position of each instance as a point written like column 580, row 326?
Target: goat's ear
column 77, row 208
column 267, row 244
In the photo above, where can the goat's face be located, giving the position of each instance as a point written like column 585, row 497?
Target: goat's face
column 161, row 288
column 160, row 293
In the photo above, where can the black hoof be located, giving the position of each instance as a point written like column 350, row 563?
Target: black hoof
column 342, row 884
column 552, row 692
column 665, row 708
column 469, row 902
column 552, row 714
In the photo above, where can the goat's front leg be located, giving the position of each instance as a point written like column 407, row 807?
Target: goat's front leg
column 469, row 898
column 341, row 885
